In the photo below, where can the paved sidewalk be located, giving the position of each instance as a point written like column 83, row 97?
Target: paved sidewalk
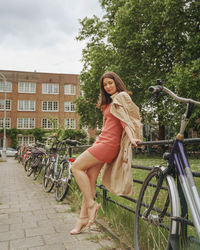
column 31, row 219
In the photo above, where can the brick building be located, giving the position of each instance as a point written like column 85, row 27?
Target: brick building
column 38, row 100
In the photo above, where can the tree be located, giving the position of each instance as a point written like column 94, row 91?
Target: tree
column 141, row 41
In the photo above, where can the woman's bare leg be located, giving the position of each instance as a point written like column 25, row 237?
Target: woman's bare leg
column 84, row 162
column 92, row 173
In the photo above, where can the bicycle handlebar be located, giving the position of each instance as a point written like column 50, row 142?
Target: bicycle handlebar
column 158, row 88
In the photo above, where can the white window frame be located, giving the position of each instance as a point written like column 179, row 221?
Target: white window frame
column 5, row 86
column 50, row 106
column 8, row 123
column 69, row 107
column 27, row 87
column 50, row 88
column 70, row 123
column 70, row 89
column 8, row 104
column 25, row 139
column 47, row 124
column 25, row 123
column 26, row 105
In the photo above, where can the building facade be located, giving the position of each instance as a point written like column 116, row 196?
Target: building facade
column 38, row 100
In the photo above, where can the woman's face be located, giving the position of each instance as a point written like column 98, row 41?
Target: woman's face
column 109, row 86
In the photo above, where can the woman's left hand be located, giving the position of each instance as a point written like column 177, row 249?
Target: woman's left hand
column 135, row 142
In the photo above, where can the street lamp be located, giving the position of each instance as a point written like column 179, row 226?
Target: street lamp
column 4, row 120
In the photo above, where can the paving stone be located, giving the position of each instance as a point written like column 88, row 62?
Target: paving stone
column 31, row 219
column 9, row 210
column 36, row 241
column 58, row 246
column 24, row 225
column 4, row 245
column 58, row 237
column 10, row 235
column 4, row 228
column 3, row 216
column 84, row 245
column 10, row 221
column 39, row 231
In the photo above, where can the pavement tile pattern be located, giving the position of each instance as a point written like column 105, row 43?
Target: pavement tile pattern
column 31, row 219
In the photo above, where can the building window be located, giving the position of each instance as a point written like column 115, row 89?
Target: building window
column 5, row 86
column 70, row 89
column 49, row 106
column 26, row 87
column 8, row 104
column 49, row 88
column 70, row 123
column 69, row 107
column 25, row 140
column 26, row 123
column 7, row 124
column 49, row 124
column 26, row 105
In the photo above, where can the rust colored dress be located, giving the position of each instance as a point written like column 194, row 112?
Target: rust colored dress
column 106, row 147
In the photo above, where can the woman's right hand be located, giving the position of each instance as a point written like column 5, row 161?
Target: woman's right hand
column 135, row 142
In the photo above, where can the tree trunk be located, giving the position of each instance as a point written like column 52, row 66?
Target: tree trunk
column 161, row 132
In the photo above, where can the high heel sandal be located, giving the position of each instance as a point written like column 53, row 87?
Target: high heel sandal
column 93, row 213
column 80, row 225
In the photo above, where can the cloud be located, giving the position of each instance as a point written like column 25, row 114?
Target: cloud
column 39, row 34
column 35, row 23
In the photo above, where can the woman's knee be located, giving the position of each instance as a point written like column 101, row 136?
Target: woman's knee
column 74, row 167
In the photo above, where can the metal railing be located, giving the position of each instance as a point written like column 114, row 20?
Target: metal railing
column 105, row 193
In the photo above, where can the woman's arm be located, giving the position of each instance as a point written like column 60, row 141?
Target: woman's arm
column 134, row 141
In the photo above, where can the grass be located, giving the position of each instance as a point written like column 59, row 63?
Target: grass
column 120, row 220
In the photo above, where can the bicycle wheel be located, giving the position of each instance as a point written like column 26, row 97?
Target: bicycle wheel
column 27, row 167
column 37, row 171
column 48, row 177
column 64, row 179
column 154, row 225
column 26, row 163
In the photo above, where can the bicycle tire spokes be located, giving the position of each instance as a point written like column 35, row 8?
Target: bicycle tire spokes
column 64, row 180
column 48, row 177
column 153, row 220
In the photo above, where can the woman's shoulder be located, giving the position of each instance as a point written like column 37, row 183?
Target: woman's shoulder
column 123, row 95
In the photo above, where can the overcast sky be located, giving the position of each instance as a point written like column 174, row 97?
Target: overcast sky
column 40, row 34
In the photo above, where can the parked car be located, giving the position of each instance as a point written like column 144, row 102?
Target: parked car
column 9, row 151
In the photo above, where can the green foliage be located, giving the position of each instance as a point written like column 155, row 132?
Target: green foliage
column 38, row 133
column 13, row 132
column 185, row 80
column 141, row 41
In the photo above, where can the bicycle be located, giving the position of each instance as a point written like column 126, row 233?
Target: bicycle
column 65, row 174
column 58, row 171
column 158, row 222
column 36, row 161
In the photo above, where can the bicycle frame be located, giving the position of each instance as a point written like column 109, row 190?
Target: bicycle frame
column 148, row 214
column 187, row 182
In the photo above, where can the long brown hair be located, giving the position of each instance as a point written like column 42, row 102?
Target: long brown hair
column 105, row 98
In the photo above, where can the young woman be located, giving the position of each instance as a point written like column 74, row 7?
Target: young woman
column 121, row 128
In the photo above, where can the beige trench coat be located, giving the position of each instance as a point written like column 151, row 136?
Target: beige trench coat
column 117, row 176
